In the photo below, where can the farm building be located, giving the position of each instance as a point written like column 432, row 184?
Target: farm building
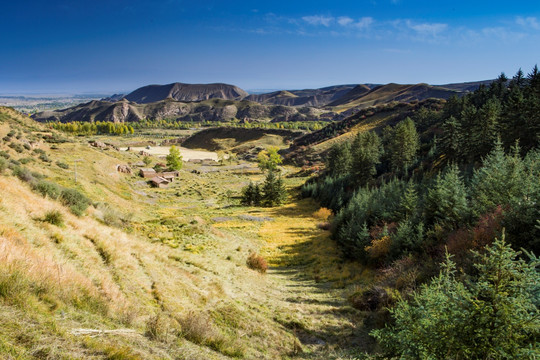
column 159, row 182
column 147, row 172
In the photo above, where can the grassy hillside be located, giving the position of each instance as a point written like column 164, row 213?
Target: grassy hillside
column 362, row 97
column 311, row 147
column 149, row 273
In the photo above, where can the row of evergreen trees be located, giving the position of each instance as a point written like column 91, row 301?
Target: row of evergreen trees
column 439, row 174
column 271, row 193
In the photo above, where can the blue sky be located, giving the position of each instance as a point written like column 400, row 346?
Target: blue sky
column 119, row 45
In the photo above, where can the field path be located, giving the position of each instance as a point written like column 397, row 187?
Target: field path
column 310, row 282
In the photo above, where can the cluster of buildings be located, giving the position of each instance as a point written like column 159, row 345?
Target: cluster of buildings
column 158, row 179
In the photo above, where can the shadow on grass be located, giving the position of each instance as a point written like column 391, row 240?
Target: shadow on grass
column 331, row 322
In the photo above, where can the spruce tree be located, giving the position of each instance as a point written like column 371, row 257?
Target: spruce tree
column 403, row 145
column 451, row 142
column 446, row 202
column 495, row 315
column 366, row 152
column 273, row 190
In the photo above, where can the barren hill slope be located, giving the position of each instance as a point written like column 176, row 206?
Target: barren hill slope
column 185, row 92
column 207, row 110
column 391, row 92
column 306, row 97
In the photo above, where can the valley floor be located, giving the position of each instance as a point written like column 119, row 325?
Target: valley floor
column 170, row 280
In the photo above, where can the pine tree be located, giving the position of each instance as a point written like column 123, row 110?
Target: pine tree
column 403, row 145
column 409, row 201
column 486, row 127
column 366, row 152
column 498, row 181
column 446, row 202
column 339, row 159
column 451, row 142
column 494, row 316
column 273, row 190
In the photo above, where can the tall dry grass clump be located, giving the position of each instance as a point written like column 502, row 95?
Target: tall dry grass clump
column 25, row 273
column 257, row 262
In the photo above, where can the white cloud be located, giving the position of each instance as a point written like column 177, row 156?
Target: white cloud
column 364, row 22
column 427, row 29
column 344, row 20
column 528, row 22
column 319, row 20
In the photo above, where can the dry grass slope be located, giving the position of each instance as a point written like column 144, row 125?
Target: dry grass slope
column 174, row 283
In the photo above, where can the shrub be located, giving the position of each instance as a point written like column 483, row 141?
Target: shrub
column 76, row 201
column 156, row 328
column 44, row 158
column 323, row 214
column 25, row 161
column 38, row 151
column 112, row 217
column 257, row 262
column 62, row 165
column 17, row 147
column 379, row 248
column 4, row 154
column 3, row 165
column 24, row 174
column 27, row 146
column 199, row 328
column 47, row 188
column 54, row 217
column 372, row 299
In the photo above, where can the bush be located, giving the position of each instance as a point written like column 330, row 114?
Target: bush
column 156, row 328
column 27, row 146
column 112, row 217
column 199, row 328
column 76, row 201
column 24, row 174
column 372, row 299
column 44, row 158
column 257, row 262
column 54, row 217
column 17, row 147
column 323, row 214
column 25, row 161
column 3, row 165
column 47, row 188
column 62, row 165
column 4, row 154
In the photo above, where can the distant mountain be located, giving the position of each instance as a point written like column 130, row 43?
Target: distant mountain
column 306, row 97
column 222, row 102
column 362, row 97
column 207, row 110
column 185, row 92
column 466, row 86
column 113, row 98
